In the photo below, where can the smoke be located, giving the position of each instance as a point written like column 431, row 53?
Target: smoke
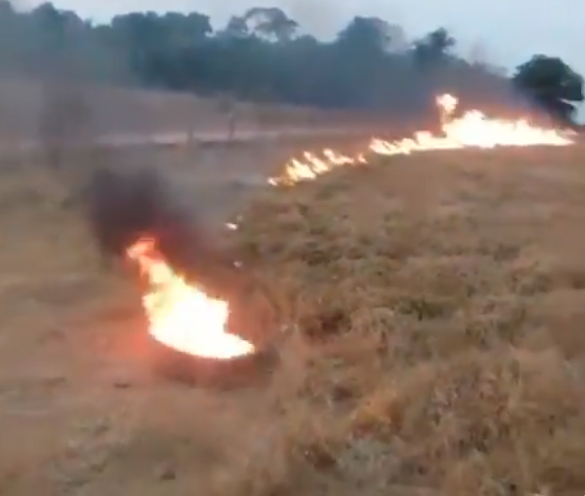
column 126, row 204
column 53, row 91
column 46, row 94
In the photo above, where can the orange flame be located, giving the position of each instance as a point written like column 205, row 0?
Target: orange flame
column 472, row 130
column 181, row 315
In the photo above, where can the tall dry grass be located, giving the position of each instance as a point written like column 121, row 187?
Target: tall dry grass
column 439, row 302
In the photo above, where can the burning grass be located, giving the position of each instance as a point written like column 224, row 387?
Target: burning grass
column 441, row 301
column 431, row 308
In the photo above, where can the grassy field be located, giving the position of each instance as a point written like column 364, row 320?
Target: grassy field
column 26, row 105
column 431, row 311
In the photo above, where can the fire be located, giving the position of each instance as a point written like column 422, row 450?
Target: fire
column 181, row 315
column 472, row 130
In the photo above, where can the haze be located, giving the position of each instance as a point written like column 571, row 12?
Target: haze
column 501, row 32
column 508, row 31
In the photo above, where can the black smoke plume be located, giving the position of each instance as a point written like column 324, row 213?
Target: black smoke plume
column 126, row 204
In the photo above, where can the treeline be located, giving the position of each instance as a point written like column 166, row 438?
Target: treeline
column 263, row 55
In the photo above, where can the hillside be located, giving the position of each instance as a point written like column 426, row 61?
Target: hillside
column 25, row 106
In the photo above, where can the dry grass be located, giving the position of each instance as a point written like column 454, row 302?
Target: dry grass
column 113, row 111
column 432, row 308
column 442, row 298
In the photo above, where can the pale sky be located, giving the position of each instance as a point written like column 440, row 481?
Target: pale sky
column 509, row 31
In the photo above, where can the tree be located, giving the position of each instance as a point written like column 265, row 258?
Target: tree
column 182, row 30
column 365, row 36
column 236, row 28
column 258, row 56
column 271, row 23
column 552, row 84
column 361, row 57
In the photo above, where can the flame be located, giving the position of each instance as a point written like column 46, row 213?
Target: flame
column 472, row 130
column 181, row 315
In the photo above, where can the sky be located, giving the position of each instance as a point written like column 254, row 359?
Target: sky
column 508, row 31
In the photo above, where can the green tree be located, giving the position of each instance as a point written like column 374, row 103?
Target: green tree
column 552, row 84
